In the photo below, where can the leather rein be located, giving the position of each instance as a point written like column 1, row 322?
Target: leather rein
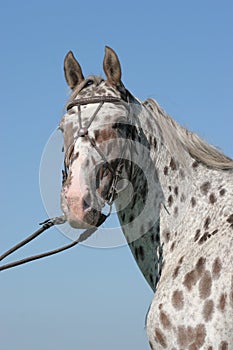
column 82, row 132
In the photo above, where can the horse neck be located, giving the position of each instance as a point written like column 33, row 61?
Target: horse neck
column 140, row 224
column 175, row 176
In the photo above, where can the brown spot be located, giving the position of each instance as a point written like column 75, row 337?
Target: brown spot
column 165, row 320
column 165, row 170
column 176, row 272
column 190, row 279
column 136, row 253
column 105, row 134
column 181, row 260
column 203, row 238
column 141, row 252
column 173, row 246
column 194, row 337
column 222, row 302
column 152, row 237
column 230, row 220
column 193, row 202
column 207, row 223
column 205, row 187
column 176, row 212
column 214, row 232
column 67, row 181
column 208, row 310
column 163, row 263
column 131, row 218
column 157, row 237
column 191, row 334
column 173, row 165
column 182, row 338
column 151, row 140
column 200, row 335
column 195, row 164
column 231, row 298
column 178, row 299
column 205, row 285
column 197, row 235
column 210, row 348
column 212, row 198
column 216, row 268
column 176, row 190
column 192, row 347
column 170, row 200
column 223, row 345
column 200, row 266
column 160, row 338
column 151, row 278
column 167, row 236
column 101, row 91
column 222, row 192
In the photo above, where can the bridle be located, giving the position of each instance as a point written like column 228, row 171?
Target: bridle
column 83, row 132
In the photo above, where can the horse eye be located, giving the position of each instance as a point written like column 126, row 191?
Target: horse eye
column 89, row 83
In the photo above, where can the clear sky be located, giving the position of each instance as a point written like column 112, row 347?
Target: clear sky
column 178, row 52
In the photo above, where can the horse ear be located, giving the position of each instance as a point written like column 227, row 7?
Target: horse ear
column 112, row 67
column 73, row 71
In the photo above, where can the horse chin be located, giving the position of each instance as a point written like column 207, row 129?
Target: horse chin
column 92, row 218
column 79, row 224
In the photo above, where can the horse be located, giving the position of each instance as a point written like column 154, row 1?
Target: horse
column 173, row 193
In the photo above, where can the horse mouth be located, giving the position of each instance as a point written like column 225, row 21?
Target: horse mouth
column 88, row 221
column 80, row 213
column 81, row 204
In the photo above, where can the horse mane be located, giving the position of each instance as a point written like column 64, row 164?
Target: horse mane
column 176, row 138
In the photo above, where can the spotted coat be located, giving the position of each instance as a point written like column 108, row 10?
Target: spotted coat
column 179, row 219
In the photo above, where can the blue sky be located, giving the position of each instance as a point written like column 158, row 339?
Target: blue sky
column 179, row 53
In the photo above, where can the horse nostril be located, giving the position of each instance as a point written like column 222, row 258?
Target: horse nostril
column 86, row 202
column 85, row 205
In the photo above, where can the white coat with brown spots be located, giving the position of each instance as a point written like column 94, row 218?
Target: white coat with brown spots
column 177, row 215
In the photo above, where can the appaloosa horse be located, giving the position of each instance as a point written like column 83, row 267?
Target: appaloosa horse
column 174, row 197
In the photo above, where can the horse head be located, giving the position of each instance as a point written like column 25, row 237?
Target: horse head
column 96, row 128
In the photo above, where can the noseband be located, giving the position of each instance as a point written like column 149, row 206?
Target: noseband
column 83, row 132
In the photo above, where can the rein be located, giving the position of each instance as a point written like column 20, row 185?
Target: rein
column 83, row 132
column 45, row 226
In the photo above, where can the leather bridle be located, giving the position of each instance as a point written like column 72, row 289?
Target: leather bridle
column 83, row 132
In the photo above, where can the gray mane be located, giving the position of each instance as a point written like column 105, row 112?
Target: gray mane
column 176, row 138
